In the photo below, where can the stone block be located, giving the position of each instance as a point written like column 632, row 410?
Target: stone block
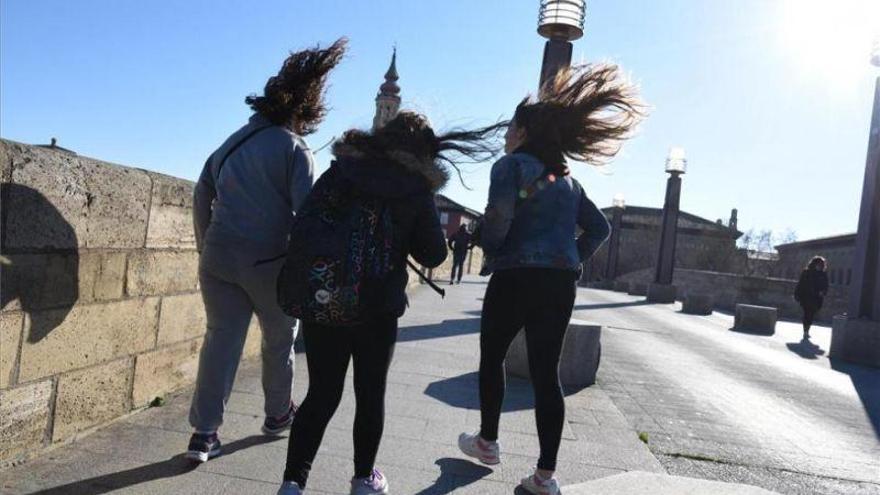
column 10, row 340
column 63, row 201
column 662, row 293
column 755, row 319
column 89, row 335
column 5, row 162
column 162, row 272
column 92, row 396
column 253, row 344
column 24, row 418
column 57, row 280
column 581, row 352
column 856, row 341
column 181, row 318
column 171, row 223
column 698, row 304
column 638, row 289
column 621, row 286
column 165, row 370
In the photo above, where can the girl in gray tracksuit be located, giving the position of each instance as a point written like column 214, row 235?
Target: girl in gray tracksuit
column 243, row 207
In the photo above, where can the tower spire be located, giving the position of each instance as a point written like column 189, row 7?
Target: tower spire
column 388, row 99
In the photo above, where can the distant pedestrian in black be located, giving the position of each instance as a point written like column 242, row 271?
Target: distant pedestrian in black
column 811, row 289
column 459, row 243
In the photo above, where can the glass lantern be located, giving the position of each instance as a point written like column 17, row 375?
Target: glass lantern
column 676, row 162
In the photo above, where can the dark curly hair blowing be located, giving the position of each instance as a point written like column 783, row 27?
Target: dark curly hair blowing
column 585, row 114
column 409, row 136
column 295, row 97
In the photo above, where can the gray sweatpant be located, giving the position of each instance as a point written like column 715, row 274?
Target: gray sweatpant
column 233, row 290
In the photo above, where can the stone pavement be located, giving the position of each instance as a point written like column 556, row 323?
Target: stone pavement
column 432, row 397
column 722, row 405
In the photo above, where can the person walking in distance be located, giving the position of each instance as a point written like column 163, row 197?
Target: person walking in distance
column 345, row 276
column 459, row 243
column 244, row 205
column 810, row 291
column 528, row 239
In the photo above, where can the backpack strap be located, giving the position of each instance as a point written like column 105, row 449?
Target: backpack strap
column 235, row 147
column 425, row 279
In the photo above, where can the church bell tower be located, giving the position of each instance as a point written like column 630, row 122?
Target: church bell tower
column 388, row 99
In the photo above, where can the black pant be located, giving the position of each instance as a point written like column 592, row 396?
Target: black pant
column 540, row 300
column 328, row 350
column 810, row 311
column 457, row 264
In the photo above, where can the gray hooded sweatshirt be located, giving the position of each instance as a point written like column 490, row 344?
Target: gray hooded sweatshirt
column 251, row 203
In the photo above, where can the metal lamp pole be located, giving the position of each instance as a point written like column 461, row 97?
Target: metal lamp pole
column 662, row 290
column 856, row 336
column 614, row 243
column 561, row 22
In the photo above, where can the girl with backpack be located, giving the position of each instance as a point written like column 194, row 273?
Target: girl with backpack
column 528, row 237
column 345, row 275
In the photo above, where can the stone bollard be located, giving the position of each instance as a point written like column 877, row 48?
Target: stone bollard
column 579, row 362
column 698, row 304
column 621, row 286
column 638, row 289
column 662, row 293
column 755, row 319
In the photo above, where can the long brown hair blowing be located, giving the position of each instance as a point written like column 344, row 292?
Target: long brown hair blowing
column 585, row 114
column 410, row 140
column 295, row 97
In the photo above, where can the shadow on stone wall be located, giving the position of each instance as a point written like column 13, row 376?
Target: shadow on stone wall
column 32, row 228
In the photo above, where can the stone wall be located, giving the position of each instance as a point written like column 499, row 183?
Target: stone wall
column 101, row 311
column 730, row 289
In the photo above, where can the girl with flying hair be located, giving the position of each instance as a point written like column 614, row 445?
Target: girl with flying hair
column 529, row 239
column 394, row 172
column 244, row 205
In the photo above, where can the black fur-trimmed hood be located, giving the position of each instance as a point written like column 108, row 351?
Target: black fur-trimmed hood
column 396, row 173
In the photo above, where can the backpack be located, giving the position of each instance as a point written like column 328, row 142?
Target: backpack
column 340, row 248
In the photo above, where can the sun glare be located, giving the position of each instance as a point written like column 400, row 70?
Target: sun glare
column 832, row 39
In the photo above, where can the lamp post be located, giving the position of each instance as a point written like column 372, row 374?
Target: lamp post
column 662, row 290
column 855, row 336
column 561, row 22
column 619, row 205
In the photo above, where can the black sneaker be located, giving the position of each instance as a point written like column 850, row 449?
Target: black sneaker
column 274, row 426
column 203, row 447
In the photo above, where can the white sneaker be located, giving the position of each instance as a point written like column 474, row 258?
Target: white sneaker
column 374, row 484
column 474, row 446
column 539, row 486
column 289, row 488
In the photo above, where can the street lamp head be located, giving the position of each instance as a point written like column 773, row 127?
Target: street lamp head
column 562, row 19
column 676, row 163
column 618, row 201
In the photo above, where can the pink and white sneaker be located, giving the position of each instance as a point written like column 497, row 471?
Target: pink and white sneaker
column 374, row 484
column 474, row 446
column 539, row 486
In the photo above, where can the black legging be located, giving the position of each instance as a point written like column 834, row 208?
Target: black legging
column 328, row 350
column 810, row 311
column 541, row 300
column 457, row 264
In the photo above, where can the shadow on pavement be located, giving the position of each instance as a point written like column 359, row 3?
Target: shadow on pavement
column 805, row 349
column 463, row 392
column 867, row 384
column 449, row 328
column 455, row 474
column 578, row 307
column 174, row 466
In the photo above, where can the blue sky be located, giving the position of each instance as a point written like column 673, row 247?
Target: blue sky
column 770, row 98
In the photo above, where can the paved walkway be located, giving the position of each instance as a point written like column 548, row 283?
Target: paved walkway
column 722, row 405
column 432, row 397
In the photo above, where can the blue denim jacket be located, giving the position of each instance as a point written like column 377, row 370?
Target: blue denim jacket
column 532, row 218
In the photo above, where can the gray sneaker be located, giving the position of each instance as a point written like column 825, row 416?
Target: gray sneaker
column 289, row 488
column 374, row 484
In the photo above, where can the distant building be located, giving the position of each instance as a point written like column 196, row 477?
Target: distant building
column 388, row 99
column 838, row 250
column 453, row 215
column 701, row 244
